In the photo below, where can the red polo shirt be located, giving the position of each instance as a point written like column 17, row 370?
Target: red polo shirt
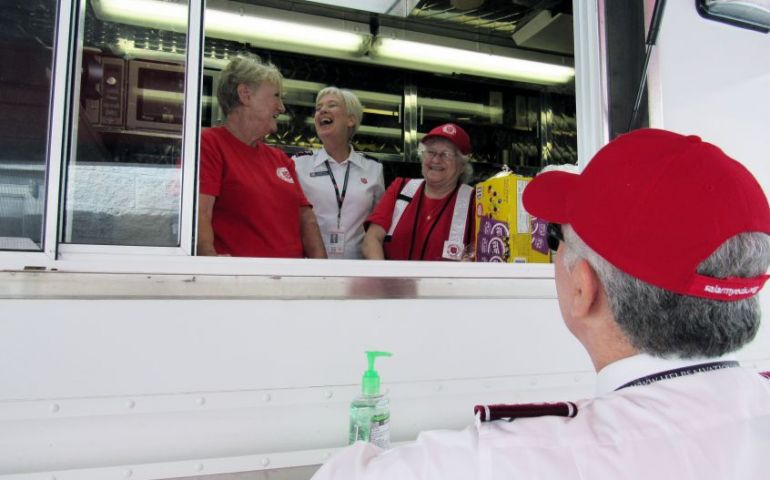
column 258, row 197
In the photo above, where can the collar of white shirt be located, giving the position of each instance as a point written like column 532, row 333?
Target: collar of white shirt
column 321, row 156
column 629, row 369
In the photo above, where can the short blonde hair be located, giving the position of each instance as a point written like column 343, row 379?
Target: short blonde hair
column 245, row 68
column 352, row 104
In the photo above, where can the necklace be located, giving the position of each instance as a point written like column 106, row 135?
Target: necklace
column 432, row 210
column 433, row 205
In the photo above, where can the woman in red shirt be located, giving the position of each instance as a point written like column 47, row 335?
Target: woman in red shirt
column 429, row 218
column 251, row 202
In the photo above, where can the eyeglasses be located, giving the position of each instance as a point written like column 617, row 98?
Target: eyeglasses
column 443, row 156
column 555, row 236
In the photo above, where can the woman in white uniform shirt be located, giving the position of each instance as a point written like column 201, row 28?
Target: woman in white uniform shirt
column 342, row 184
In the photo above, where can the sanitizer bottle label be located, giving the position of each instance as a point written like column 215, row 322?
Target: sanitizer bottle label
column 379, row 432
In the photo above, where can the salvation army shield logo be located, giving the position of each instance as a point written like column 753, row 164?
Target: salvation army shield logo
column 453, row 251
column 283, row 174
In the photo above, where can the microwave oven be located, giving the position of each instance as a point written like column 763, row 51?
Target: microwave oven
column 144, row 95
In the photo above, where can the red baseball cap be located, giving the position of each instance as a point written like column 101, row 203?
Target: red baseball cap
column 656, row 204
column 454, row 134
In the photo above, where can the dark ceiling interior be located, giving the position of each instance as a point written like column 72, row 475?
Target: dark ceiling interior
column 533, row 24
column 540, row 25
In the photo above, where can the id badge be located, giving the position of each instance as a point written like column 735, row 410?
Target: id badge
column 336, row 242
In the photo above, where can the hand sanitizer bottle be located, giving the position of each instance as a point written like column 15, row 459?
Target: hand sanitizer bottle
column 370, row 412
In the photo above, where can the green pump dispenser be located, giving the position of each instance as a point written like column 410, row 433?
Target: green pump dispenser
column 370, row 382
column 370, row 411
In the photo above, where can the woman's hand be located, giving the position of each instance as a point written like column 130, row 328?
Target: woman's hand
column 371, row 248
column 469, row 254
column 312, row 243
column 205, row 245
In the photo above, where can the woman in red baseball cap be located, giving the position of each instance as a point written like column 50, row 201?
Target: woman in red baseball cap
column 427, row 218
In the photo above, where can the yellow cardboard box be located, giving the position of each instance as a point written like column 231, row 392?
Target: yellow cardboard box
column 504, row 230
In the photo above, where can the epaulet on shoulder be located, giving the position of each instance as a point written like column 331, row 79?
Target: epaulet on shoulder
column 487, row 413
column 303, row 153
column 369, row 157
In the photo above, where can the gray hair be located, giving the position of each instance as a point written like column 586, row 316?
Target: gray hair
column 663, row 323
column 464, row 161
column 352, row 104
column 249, row 69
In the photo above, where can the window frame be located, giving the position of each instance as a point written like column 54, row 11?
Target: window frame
column 590, row 93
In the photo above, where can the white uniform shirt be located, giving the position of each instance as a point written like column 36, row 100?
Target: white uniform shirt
column 365, row 187
column 707, row 426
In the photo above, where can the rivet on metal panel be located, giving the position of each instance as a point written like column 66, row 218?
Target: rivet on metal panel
column 266, row 397
column 198, row 467
column 533, row 381
column 577, row 378
column 328, row 394
column 55, row 407
column 200, row 401
column 130, row 404
column 128, row 473
column 265, row 462
column 439, row 388
column 327, row 456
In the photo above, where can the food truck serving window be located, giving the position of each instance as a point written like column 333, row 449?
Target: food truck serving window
column 123, row 177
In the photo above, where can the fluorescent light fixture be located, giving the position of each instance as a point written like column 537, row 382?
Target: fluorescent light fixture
column 379, row 131
column 366, row 129
column 144, row 13
column 295, row 32
column 264, row 27
column 280, row 34
column 379, row 111
column 161, row 96
column 377, row 98
column 436, row 58
column 461, row 108
column 302, row 86
column 388, row 7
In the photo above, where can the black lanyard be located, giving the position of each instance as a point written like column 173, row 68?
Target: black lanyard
column 679, row 372
column 432, row 226
column 340, row 197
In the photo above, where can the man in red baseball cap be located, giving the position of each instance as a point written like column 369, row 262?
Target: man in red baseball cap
column 662, row 245
column 661, row 248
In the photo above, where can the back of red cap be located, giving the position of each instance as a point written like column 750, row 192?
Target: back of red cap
column 656, row 204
